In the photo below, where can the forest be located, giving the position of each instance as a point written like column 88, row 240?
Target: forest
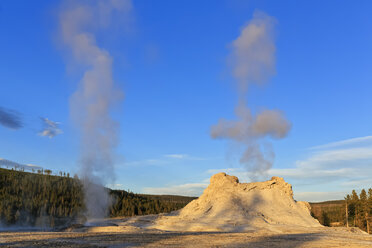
column 44, row 200
column 354, row 211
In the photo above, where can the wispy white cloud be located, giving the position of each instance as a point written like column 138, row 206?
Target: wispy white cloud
column 353, row 183
column 352, row 141
column 335, row 162
column 318, row 196
column 306, row 173
column 178, row 156
column 147, row 162
column 188, row 189
column 329, row 157
column 11, row 164
column 185, row 157
column 33, row 166
column 166, row 159
column 50, row 128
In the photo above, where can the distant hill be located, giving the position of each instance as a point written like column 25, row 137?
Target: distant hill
column 329, row 212
column 328, row 202
column 36, row 199
column 171, row 198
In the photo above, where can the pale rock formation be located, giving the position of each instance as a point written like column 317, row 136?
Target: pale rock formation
column 227, row 205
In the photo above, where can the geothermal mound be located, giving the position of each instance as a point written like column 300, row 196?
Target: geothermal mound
column 227, row 205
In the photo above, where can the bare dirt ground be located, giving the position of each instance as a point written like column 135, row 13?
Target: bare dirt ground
column 324, row 237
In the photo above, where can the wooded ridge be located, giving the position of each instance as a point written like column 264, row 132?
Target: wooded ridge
column 36, row 199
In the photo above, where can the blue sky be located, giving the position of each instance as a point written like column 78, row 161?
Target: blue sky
column 170, row 59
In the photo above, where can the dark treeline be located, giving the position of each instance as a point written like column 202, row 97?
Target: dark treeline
column 29, row 199
column 129, row 204
column 354, row 211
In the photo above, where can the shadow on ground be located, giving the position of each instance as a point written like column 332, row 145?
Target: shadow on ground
column 284, row 240
column 170, row 239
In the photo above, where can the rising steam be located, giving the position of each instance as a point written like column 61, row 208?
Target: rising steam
column 91, row 104
column 253, row 62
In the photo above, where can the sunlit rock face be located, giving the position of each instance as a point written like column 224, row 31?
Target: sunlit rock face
column 227, row 205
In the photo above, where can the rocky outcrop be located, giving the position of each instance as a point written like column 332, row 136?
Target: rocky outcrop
column 227, row 205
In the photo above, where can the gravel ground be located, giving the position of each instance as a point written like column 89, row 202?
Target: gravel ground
column 327, row 237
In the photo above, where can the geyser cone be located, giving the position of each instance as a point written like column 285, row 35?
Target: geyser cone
column 227, row 205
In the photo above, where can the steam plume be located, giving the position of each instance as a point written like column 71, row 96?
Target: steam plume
column 253, row 62
column 96, row 95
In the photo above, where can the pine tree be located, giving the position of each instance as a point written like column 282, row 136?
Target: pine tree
column 363, row 199
column 347, row 201
column 355, row 202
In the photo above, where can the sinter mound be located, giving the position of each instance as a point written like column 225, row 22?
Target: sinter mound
column 227, row 205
